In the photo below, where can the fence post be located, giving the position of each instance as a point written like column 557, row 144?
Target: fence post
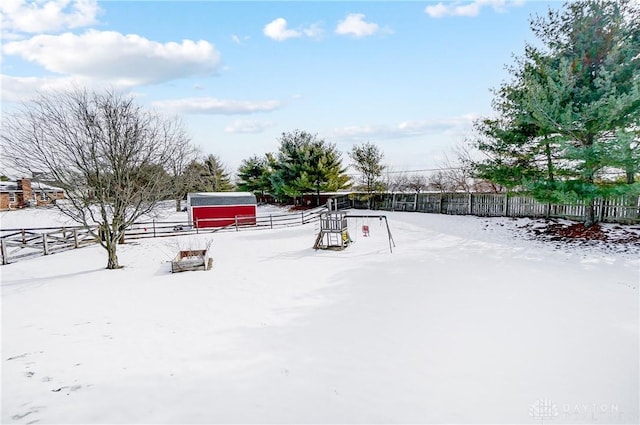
column 75, row 238
column 506, row 205
column 601, row 209
column 3, row 250
column 302, row 216
column 45, row 244
column 440, row 204
column 470, row 203
column 197, row 227
column 24, row 240
column 271, row 221
column 154, row 227
column 236, row 223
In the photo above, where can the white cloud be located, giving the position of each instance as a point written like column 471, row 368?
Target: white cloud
column 469, row 9
column 43, row 16
column 437, row 11
column 125, row 60
column 277, row 30
column 354, row 24
column 247, row 126
column 18, row 89
column 405, row 129
column 212, row 106
column 239, row 40
column 314, row 31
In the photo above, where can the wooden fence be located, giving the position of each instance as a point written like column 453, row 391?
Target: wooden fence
column 623, row 209
column 155, row 229
column 18, row 244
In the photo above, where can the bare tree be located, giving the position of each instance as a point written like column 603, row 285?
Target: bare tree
column 367, row 160
column 109, row 155
column 177, row 165
column 395, row 180
column 439, row 181
column 417, row 183
column 455, row 174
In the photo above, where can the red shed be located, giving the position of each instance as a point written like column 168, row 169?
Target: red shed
column 218, row 209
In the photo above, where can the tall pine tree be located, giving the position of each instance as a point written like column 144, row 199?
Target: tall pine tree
column 307, row 164
column 322, row 170
column 573, row 111
column 254, row 175
column 208, row 175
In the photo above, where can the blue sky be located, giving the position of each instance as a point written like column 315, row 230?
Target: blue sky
column 408, row 76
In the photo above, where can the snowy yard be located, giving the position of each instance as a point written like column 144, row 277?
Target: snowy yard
column 467, row 321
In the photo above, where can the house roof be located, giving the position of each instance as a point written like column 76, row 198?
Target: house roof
column 219, row 194
column 46, row 187
column 8, row 186
column 12, row 186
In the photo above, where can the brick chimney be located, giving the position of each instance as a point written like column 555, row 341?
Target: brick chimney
column 25, row 186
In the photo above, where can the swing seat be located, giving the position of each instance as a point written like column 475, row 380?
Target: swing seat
column 365, row 230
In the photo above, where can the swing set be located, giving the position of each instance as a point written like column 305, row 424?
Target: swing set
column 334, row 234
column 365, row 227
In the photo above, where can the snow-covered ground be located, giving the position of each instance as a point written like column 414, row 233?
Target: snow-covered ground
column 467, row 321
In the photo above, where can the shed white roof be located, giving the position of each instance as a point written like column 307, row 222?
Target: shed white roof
column 200, row 199
column 218, row 194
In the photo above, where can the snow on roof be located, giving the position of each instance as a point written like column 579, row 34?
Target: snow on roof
column 43, row 186
column 214, row 194
column 12, row 186
column 8, row 186
column 221, row 198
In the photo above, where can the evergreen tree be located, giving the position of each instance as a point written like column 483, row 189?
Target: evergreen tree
column 512, row 153
column 216, row 175
column 322, row 171
column 288, row 164
column 208, row 175
column 254, row 175
column 571, row 116
column 305, row 164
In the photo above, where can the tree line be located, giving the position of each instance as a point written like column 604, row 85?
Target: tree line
column 306, row 164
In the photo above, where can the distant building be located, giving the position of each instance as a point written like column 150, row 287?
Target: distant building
column 25, row 193
column 219, row 209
